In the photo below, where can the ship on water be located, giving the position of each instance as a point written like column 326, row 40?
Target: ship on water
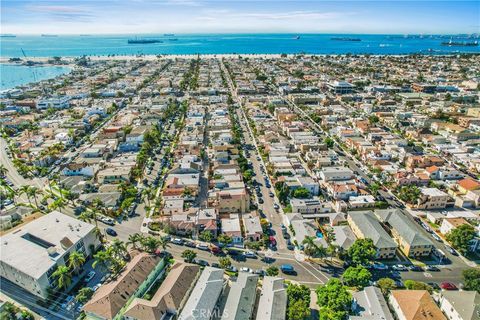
column 459, row 44
column 168, row 34
column 8, row 35
column 48, row 35
column 345, row 39
column 296, row 37
column 143, row 41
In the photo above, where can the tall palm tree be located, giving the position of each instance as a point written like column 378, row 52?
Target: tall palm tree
column 101, row 258
column 150, row 244
column 135, row 239
column 76, row 260
column 63, row 277
column 119, row 248
column 311, row 249
column 59, row 204
column 25, row 190
column 33, row 191
column 3, row 170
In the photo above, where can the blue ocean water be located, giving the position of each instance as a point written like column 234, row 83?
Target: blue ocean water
column 37, row 46
column 16, row 75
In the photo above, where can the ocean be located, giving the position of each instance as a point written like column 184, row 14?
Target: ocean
column 104, row 45
column 37, row 46
column 16, row 75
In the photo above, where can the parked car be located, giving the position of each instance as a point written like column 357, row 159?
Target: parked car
column 287, row 269
column 434, row 285
column 432, row 268
column 380, row 266
column 260, row 272
column 245, row 269
column 436, row 237
column 250, row 254
column 203, row 247
column 415, row 268
column 452, row 251
column 276, row 206
column 190, row 244
column 90, row 276
column 232, row 269
column 111, row 232
column 201, row 262
column 260, row 200
column 399, row 267
column 178, row 241
column 448, row 286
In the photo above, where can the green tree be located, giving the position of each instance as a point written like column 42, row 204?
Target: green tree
column 301, row 193
column 135, row 239
column 189, row 255
column 373, row 119
column 311, row 249
column 76, row 260
column 151, row 244
column 225, row 262
column 409, row 193
column 471, row 279
column 298, row 310
column 333, row 297
column 84, row 294
column 298, row 292
column 62, row 277
column 329, row 142
column 461, row 236
column 417, row 285
column 386, row 284
column 272, row 271
column 206, row 236
column 224, row 238
column 357, row 276
column 12, row 312
column 362, row 251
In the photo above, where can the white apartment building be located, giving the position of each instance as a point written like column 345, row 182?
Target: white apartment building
column 31, row 254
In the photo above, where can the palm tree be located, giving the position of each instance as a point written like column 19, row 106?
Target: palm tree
column 311, row 249
column 163, row 243
column 101, row 258
column 76, row 260
column 59, row 204
column 25, row 190
column 119, row 248
column 63, row 277
column 32, row 191
column 151, row 244
column 134, row 239
column 3, row 170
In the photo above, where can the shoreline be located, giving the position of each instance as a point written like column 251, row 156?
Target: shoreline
column 151, row 57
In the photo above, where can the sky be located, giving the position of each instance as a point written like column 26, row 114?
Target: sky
column 232, row 16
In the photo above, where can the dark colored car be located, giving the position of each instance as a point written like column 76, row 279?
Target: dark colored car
column 190, row 244
column 111, row 232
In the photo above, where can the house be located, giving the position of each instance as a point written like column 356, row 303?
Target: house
column 33, row 252
column 460, row 305
column 272, row 304
column 310, row 206
column 231, row 227
column 364, row 224
column 169, row 298
column 203, row 299
column 340, row 87
column 113, row 175
column 230, row 200
column 369, row 304
column 448, row 224
column 467, row 184
column 409, row 238
column 109, row 299
column 344, row 237
column 54, row 102
column 414, row 305
column 252, row 227
column 432, row 198
column 241, row 298
column 364, row 201
column 335, row 174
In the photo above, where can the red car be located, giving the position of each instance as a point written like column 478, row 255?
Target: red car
column 215, row 249
column 448, row 286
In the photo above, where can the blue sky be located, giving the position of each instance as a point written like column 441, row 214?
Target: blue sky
column 198, row 16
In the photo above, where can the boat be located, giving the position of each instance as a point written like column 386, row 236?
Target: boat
column 168, row 34
column 7, row 36
column 49, row 35
column 459, row 44
column 296, row 37
column 345, row 39
column 143, row 41
column 173, row 39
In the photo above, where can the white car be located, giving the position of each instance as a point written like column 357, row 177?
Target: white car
column 250, row 254
column 245, row 269
column 177, row 241
column 90, row 276
column 203, row 247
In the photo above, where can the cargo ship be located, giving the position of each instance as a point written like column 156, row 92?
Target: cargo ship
column 345, row 39
column 459, row 44
column 143, row 41
column 7, row 36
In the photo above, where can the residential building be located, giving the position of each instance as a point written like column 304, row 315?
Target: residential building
column 241, row 298
column 309, row 206
column 202, row 302
column 409, row 238
column 272, row 304
column 414, row 305
column 169, row 298
column 460, row 305
column 336, row 174
column 432, row 198
column 340, row 87
column 448, row 224
column 31, row 254
column 364, row 224
column 369, row 304
column 109, row 299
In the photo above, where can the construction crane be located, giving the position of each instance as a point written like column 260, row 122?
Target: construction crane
column 33, row 69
